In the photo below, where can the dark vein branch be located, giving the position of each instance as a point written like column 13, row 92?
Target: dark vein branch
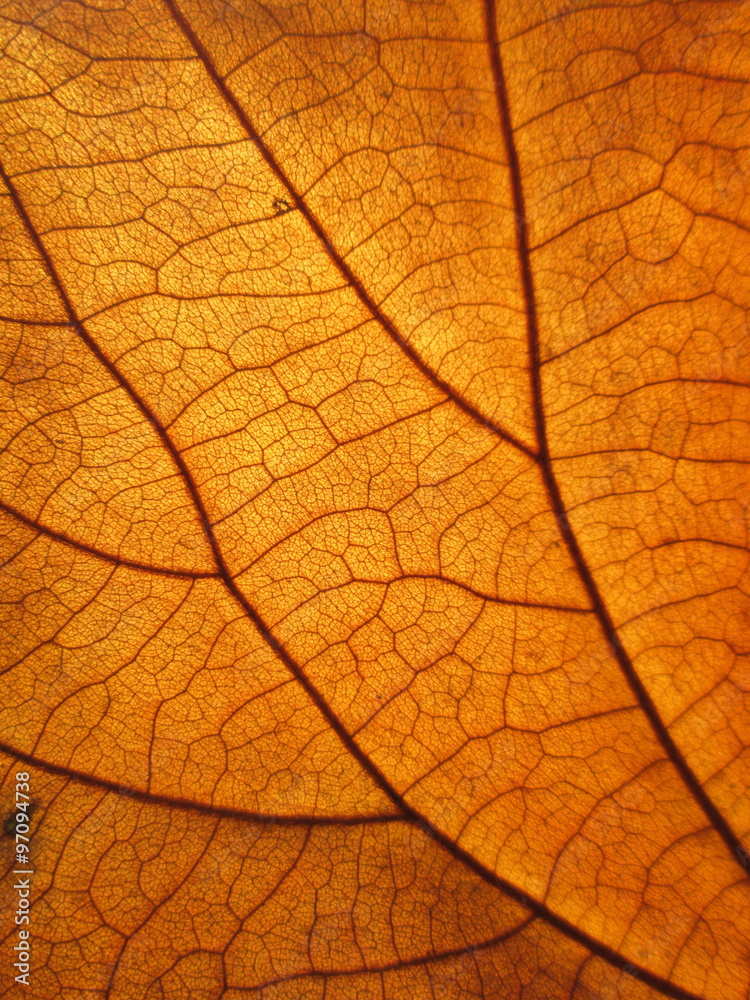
column 192, row 805
column 98, row 554
column 352, row 280
column 405, row 963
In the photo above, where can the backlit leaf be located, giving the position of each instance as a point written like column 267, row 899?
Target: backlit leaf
column 374, row 497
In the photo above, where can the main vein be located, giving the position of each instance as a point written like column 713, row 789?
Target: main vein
column 544, row 461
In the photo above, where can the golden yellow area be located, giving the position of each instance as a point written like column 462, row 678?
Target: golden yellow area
column 375, row 391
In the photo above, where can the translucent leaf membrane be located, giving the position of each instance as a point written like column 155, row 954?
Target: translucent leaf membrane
column 373, row 497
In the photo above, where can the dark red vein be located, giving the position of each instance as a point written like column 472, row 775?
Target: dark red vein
column 83, row 333
column 405, row 963
column 33, row 322
column 714, row 816
column 192, row 805
column 352, row 280
column 98, row 554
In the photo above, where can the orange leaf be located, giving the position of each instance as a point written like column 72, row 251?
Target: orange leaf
column 374, row 499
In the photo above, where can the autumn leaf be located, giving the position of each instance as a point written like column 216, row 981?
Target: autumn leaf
column 374, row 497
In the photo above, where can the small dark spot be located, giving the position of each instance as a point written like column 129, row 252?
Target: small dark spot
column 126, row 791
column 281, row 206
column 425, row 829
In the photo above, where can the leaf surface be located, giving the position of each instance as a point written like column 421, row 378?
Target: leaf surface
column 374, row 496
